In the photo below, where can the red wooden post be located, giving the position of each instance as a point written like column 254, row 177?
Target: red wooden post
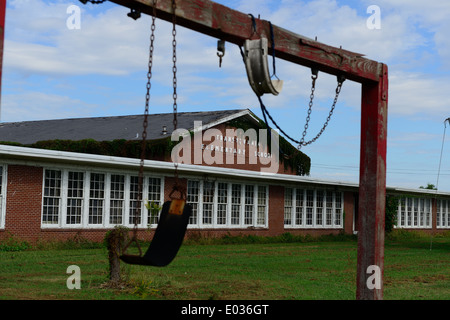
column 372, row 188
column 2, row 40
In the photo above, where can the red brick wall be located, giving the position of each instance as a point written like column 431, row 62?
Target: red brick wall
column 276, row 210
column 434, row 215
column 349, row 203
column 23, row 202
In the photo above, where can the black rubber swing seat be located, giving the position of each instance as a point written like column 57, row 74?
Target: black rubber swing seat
column 168, row 237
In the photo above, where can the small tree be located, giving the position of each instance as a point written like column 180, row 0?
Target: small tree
column 391, row 213
column 153, row 209
column 429, row 186
column 115, row 241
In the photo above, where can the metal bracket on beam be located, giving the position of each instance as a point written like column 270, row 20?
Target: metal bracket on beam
column 255, row 57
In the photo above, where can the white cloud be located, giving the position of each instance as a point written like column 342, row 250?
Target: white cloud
column 32, row 105
column 414, row 93
column 426, row 12
column 38, row 41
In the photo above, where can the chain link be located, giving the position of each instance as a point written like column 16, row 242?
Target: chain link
column 311, row 102
column 174, row 70
column 149, row 76
column 302, row 142
column 145, row 124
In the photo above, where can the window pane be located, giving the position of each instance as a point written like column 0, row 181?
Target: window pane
column 208, row 202
column 262, row 200
column 117, row 199
column 193, row 199
column 135, row 210
column 222, row 203
column 74, row 197
column 299, row 206
column 338, row 207
column 319, row 207
column 288, row 206
column 235, row 204
column 249, row 201
column 309, row 207
column 154, row 198
column 96, row 198
column 52, row 193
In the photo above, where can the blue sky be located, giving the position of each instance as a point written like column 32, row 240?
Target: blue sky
column 51, row 72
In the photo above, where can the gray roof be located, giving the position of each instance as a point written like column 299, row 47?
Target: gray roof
column 109, row 128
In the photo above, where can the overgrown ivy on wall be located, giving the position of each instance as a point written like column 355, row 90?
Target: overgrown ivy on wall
column 117, row 148
column 159, row 149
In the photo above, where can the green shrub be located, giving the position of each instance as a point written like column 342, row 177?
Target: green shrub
column 391, row 213
column 14, row 244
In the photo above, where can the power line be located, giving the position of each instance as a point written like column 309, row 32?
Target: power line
column 442, row 149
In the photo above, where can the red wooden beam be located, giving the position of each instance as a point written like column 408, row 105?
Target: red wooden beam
column 2, row 41
column 221, row 22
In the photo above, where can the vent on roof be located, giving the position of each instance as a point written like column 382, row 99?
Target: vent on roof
column 164, row 130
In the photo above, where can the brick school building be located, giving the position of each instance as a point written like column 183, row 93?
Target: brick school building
column 79, row 177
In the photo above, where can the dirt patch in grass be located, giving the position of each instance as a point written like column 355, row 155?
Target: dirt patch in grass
column 431, row 279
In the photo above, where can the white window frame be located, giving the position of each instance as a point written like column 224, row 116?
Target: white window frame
column 414, row 213
column 59, row 216
column 159, row 195
column 109, row 189
column 264, row 205
column 106, row 210
column 229, row 222
column 443, row 213
column 301, row 206
column 289, row 207
column 96, row 199
column 224, row 217
column 82, row 199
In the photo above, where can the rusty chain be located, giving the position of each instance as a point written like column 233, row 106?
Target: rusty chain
column 174, row 70
column 314, row 76
column 145, row 124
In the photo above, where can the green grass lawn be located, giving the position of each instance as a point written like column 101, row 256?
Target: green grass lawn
column 281, row 271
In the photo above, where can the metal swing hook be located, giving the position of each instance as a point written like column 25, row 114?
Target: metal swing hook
column 220, row 51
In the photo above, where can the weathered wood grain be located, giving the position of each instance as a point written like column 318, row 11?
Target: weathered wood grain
column 221, row 22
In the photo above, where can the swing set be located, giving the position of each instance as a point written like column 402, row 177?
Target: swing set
column 175, row 213
column 255, row 35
